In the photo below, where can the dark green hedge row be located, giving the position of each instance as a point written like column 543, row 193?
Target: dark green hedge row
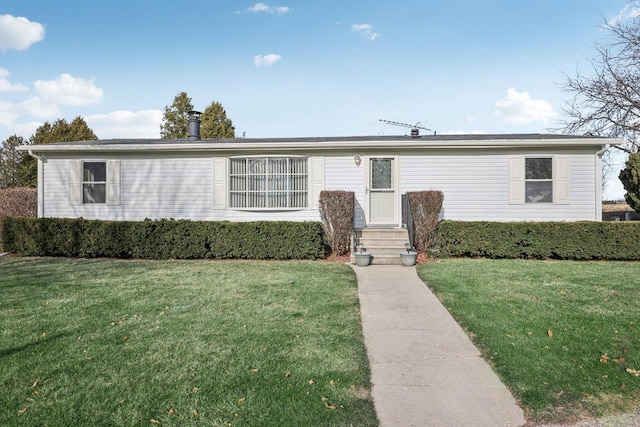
column 538, row 240
column 164, row 239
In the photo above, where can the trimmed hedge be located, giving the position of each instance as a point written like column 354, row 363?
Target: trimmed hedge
column 538, row 240
column 164, row 239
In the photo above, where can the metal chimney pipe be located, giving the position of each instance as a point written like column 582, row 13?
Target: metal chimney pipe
column 194, row 125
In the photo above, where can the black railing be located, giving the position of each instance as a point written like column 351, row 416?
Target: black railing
column 407, row 218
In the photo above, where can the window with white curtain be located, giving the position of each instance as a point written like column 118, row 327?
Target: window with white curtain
column 268, row 183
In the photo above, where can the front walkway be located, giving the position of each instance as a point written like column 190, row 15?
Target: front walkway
column 424, row 369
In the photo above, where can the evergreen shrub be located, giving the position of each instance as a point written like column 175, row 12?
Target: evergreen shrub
column 538, row 240
column 164, row 239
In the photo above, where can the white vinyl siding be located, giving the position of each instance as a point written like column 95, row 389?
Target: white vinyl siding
column 268, row 183
column 476, row 187
column 341, row 173
column 177, row 188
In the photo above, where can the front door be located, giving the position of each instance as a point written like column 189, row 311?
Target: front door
column 382, row 205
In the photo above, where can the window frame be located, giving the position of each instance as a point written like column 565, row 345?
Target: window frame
column 84, row 182
column 268, row 194
column 551, row 180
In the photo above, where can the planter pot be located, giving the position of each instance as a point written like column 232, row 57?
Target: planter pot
column 363, row 259
column 408, row 258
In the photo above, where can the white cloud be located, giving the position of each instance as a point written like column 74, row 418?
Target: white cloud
column 19, row 33
column 266, row 60
column 25, row 130
column 517, row 108
column 68, row 90
column 8, row 113
column 365, row 30
column 264, row 8
column 126, row 124
column 38, row 107
column 627, row 12
column 7, row 86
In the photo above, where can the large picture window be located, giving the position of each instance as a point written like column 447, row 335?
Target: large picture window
column 539, row 180
column 268, row 182
column 94, row 182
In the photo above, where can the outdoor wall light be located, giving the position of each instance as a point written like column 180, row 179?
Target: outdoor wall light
column 357, row 159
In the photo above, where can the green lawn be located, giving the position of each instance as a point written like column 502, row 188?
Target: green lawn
column 115, row 342
column 564, row 336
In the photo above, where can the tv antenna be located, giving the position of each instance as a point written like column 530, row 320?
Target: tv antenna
column 415, row 129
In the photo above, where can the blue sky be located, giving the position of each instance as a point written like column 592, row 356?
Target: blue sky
column 297, row 68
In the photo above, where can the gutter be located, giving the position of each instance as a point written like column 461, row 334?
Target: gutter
column 40, row 187
column 35, row 156
column 598, row 177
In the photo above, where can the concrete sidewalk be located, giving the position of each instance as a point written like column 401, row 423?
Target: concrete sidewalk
column 424, row 369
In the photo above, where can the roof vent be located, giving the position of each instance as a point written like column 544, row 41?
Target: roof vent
column 194, row 125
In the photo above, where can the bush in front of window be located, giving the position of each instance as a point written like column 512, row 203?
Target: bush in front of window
column 538, row 240
column 164, row 239
column 336, row 212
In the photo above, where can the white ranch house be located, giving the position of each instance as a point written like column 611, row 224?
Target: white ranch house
column 528, row 177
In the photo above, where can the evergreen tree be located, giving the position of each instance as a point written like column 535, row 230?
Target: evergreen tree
column 59, row 131
column 215, row 123
column 11, row 162
column 630, row 177
column 175, row 120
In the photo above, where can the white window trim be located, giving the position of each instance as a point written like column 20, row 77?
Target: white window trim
column 308, row 190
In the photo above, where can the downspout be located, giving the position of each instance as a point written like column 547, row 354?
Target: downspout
column 40, row 184
column 598, row 174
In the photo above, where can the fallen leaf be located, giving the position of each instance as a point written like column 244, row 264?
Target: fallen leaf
column 35, row 392
column 633, row 372
column 311, row 382
column 44, row 334
column 328, row 406
column 604, row 358
column 171, row 412
column 332, row 382
column 254, row 370
column 287, row 374
column 550, row 333
column 35, row 383
column 22, row 411
column 154, row 421
column 195, row 413
column 30, row 400
column 241, row 400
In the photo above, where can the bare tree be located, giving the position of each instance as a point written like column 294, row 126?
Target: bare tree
column 606, row 101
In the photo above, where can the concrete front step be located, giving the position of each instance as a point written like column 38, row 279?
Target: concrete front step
column 384, row 244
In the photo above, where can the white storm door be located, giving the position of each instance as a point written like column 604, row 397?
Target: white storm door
column 382, row 191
